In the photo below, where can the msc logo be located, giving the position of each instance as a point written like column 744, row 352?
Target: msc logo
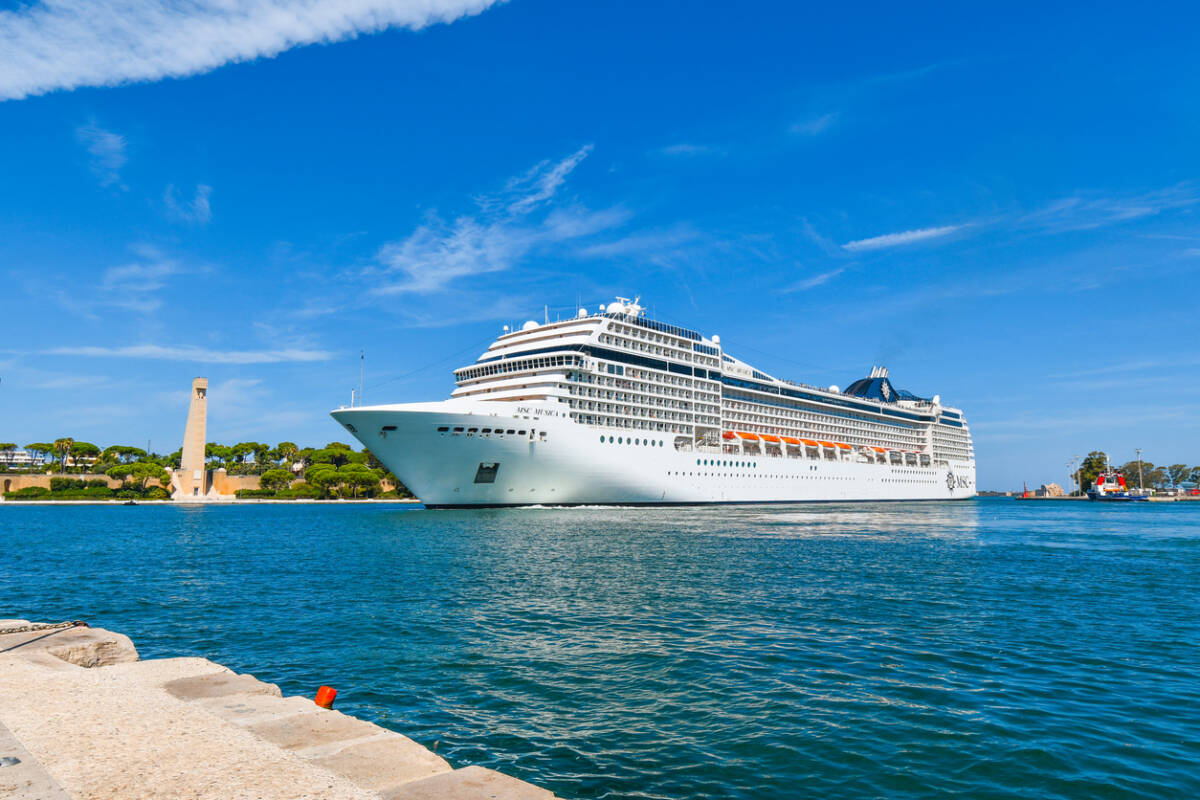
column 951, row 482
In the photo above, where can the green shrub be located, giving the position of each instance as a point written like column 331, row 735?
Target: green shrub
column 157, row 493
column 97, row 483
column 66, row 484
column 243, row 494
column 300, row 490
column 28, row 493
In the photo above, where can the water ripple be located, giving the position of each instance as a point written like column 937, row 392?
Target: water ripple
column 991, row 649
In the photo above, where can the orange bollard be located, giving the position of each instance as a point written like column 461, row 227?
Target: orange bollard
column 325, row 696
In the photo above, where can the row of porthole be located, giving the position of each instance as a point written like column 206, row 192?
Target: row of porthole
column 631, row 440
column 712, row 462
column 774, row 475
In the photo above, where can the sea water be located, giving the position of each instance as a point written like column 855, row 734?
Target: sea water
column 988, row 648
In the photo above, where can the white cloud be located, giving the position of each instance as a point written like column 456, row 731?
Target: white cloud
column 902, row 238
column 501, row 236
column 198, row 211
column 816, row 125
column 134, row 286
column 815, row 281
column 524, row 193
column 107, row 149
column 194, row 354
column 1082, row 212
column 688, row 149
column 58, row 44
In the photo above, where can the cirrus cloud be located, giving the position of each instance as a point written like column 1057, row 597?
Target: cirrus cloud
column 902, row 238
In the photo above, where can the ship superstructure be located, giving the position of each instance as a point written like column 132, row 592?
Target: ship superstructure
column 614, row 407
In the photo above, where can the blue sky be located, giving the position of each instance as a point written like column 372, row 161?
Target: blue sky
column 998, row 202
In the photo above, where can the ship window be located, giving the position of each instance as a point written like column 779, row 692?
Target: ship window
column 472, row 430
column 486, row 431
column 637, row 441
column 520, row 433
column 510, row 432
column 389, row 427
column 620, row 440
column 458, row 430
column 443, row 429
column 601, row 440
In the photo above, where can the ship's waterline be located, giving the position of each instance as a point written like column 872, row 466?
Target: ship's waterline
column 614, row 408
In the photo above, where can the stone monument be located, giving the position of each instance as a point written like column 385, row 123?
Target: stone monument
column 191, row 478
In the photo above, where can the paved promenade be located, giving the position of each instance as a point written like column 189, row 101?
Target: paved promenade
column 83, row 717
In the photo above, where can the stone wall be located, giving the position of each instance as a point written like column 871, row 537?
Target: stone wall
column 11, row 483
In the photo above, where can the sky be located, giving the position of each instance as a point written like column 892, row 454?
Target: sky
column 997, row 201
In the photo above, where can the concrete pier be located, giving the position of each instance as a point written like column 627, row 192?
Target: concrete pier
column 81, row 716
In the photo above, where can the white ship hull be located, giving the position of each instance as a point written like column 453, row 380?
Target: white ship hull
column 550, row 459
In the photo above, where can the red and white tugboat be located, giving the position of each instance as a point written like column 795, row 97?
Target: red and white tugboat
column 1110, row 485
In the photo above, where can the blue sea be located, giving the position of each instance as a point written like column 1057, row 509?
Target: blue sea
column 986, row 649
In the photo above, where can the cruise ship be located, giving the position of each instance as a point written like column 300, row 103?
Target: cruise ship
column 617, row 408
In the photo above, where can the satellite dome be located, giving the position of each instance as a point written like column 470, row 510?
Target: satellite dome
column 616, row 308
column 602, row 308
column 937, row 399
column 583, row 312
column 834, row 388
column 530, row 325
column 716, row 339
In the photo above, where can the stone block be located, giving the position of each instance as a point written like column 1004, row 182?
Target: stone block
column 383, row 763
column 468, row 783
column 310, row 730
column 250, row 709
column 84, row 647
column 160, row 671
column 219, row 684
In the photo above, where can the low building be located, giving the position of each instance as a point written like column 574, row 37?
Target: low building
column 1049, row 490
column 20, row 459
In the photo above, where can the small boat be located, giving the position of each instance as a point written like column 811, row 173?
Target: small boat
column 129, row 503
column 1110, row 486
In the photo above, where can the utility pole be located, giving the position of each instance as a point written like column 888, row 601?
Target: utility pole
column 1079, row 474
column 362, row 365
column 1141, row 488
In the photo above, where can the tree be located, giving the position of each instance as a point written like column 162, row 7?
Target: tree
column 218, row 452
column 261, row 453
column 1177, row 473
column 276, row 479
column 332, row 455
column 6, row 448
column 141, row 473
column 82, row 450
column 338, row 446
column 1092, row 466
column 240, row 450
column 120, row 472
column 122, row 453
column 62, row 447
column 40, row 449
column 323, row 476
column 1195, row 476
column 144, row 471
column 1151, row 475
column 358, row 476
column 286, row 452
